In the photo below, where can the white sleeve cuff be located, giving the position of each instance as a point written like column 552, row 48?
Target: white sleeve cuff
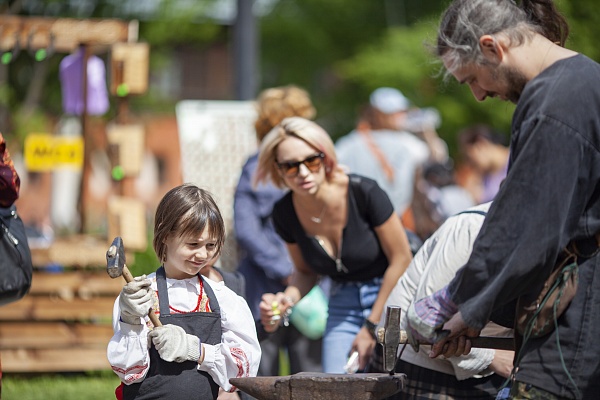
column 209, row 357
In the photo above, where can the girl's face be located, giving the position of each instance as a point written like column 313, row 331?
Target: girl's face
column 187, row 255
column 309, row 171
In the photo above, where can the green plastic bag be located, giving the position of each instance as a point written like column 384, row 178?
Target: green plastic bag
column 309, row 316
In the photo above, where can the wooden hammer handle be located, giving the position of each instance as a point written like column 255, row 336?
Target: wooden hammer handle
column 151, row 314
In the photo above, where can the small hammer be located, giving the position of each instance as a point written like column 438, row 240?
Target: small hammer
column 115, row 266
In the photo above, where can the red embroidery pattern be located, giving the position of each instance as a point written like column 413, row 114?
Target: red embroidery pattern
column 131, row 377
column 128, row 370
column 242, row 362
column 134, row 377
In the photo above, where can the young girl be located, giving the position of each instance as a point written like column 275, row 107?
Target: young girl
column 208, row 334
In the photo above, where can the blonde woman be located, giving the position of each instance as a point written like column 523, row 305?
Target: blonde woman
column 266, row 264
column 337, row 225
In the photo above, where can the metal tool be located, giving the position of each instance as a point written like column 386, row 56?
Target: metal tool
column 116, row 267
column 372, row 386
column 388, row 334
column 321, row 386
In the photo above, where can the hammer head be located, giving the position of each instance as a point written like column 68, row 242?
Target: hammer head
column 115, row 258
column 391, row 338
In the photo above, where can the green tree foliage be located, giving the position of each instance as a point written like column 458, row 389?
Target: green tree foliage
column 300, row 41
column 403, row 59
column 341, row 50
column 584, row 21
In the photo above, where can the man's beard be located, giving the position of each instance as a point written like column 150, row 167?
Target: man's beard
column 513, row 79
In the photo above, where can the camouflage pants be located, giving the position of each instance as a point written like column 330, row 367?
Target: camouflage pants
column 522, row 391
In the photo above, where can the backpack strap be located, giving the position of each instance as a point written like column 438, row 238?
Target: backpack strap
column 387, row 168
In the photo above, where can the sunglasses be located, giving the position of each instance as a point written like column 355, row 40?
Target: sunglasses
column 291, row 168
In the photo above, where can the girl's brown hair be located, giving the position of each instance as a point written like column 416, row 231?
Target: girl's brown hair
column 187, row 210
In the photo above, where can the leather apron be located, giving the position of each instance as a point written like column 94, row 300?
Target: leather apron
column 180, row 381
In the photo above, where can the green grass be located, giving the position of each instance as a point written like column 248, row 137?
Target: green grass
column 88, row 386
column 98, row 385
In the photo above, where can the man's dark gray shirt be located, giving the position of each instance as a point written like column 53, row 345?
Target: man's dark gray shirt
column 549, row 197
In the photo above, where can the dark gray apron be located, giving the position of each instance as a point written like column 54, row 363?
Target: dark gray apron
column 180, row 381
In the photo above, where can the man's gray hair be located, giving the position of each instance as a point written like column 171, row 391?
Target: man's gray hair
column 465, row 21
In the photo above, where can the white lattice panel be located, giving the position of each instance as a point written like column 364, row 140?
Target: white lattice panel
column 216, row 138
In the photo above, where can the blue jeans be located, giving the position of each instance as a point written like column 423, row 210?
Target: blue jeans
column 349, row 304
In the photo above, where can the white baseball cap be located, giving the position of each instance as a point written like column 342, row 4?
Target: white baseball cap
column 389, row 100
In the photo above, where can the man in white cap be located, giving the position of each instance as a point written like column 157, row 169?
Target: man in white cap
column 377, row 148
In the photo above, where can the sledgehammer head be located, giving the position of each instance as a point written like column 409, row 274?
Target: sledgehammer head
column 391, row 338
column 115, row 258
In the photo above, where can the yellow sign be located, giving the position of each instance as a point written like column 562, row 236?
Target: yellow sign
column 45, row 152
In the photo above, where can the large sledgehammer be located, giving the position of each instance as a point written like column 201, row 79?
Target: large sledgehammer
column 115, row 266
column 391, row 336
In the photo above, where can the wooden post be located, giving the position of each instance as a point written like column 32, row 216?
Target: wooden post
column 87, row 141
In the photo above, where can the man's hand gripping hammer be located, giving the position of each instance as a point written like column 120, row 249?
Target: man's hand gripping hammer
column 391, row 336
column 115, row 266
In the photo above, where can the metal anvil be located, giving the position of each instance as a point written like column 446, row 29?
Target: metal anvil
column 321, row 386
column 371, row 386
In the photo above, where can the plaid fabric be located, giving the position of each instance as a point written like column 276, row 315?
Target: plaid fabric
column 427, row 315
column 9, row 179
column 423, row 383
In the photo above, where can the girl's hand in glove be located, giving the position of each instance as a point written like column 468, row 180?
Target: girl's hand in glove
column 136, row 300
column 173, row 344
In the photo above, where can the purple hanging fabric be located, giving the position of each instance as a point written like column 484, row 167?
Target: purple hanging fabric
column 71, row 83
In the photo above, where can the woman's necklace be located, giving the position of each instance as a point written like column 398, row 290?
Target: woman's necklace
column 316, row 220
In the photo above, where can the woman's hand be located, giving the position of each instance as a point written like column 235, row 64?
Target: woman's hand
column 364, row 344
column 272, row 309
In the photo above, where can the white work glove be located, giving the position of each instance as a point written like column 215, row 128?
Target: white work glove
column 173, row 344
column 135, row 300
